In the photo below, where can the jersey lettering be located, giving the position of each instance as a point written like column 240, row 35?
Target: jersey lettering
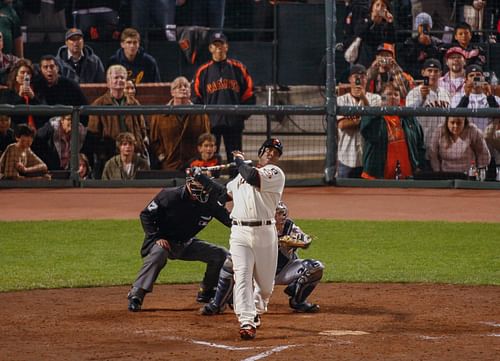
column 222, row 84
column 203, row 222
column 152, row 206
column 269, row 173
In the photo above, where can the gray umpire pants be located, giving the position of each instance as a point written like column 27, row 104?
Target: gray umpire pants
column 193, row 250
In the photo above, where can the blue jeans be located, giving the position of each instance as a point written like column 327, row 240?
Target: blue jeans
column 208, row 13
column 148, row 13
column 344, row 171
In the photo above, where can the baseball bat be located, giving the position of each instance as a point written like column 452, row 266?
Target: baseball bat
column 223, row 166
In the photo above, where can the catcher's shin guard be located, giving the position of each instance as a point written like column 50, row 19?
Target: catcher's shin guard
column 224, row 293
column 301, row 288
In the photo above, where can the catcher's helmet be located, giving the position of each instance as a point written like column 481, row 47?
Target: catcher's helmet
column 271, row 143
column 282, row 208
column 196, row 188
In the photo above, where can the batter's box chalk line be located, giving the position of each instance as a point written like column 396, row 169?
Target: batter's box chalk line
column 490, row 323
column 343, row 333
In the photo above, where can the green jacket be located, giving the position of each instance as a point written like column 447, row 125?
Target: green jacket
column 113, row 170
column 374, row 131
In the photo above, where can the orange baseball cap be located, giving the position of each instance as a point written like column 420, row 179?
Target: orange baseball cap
column 387, row 47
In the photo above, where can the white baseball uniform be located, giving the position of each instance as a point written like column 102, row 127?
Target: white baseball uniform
column 254, row 241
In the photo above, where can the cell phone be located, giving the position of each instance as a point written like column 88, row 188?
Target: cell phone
column 425, row 30
column 426, row 80
column 26, row 80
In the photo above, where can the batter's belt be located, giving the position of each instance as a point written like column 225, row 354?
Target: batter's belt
column 264, row 222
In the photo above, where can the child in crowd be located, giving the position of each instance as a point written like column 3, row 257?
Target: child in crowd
column 207, row 156
column 18, row 161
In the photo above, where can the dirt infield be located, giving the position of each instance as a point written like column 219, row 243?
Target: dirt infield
column 356, row 322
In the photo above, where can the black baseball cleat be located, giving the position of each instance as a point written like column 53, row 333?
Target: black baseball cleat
column 247, row 332
column 304, row 307
column 211, row 309
column 204, row 296
column 134, row 304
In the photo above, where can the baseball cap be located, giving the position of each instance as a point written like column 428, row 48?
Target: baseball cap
column 72, row 32
column 357, row 69
column 386, row 47
column 432, row 63
column 455, row 50
column 421, row 19
column 473, row 68
column 218, row 37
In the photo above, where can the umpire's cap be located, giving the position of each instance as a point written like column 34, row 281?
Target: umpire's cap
column 271, row 143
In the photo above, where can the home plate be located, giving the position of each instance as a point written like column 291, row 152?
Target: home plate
column 342, row 333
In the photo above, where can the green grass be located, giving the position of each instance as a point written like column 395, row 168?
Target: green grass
column 100, row 253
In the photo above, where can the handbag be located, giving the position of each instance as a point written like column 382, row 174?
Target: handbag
column 352, row 52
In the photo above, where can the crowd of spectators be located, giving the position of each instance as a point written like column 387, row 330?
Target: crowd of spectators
column 428, row 69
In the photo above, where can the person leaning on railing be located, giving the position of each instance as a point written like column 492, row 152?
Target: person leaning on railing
column 393, row 145
column 456, row 144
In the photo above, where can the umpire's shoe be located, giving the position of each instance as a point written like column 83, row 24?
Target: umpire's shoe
column 211, row 309
column 304, row 307
column 135, row 297
column 204, row 295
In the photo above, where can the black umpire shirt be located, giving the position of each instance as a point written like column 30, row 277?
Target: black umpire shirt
column 173, row 215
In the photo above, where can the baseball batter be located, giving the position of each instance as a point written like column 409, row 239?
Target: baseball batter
column 300, row 276
column 170, row 222
column 256, row 192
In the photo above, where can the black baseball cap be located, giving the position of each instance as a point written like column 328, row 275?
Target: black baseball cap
column 218, row 37
column 72, row 32
column 357, row 69
column 432, row 63
column 473, row 68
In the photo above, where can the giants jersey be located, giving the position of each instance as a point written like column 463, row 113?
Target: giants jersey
column 224, row 82
column 254, row 203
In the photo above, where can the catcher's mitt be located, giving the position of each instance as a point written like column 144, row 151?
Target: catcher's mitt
column 295, row 240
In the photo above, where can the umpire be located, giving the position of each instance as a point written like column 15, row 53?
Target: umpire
column 170, row 222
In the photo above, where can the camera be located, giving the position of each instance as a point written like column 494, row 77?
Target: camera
column 357, row 81
column 384, row 61
column 425, row 29
column 426, row 80
column 478, row 80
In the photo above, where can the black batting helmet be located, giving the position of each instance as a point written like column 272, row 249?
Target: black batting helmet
column 271, row 143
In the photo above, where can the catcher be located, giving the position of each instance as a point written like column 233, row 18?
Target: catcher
column 300, row 275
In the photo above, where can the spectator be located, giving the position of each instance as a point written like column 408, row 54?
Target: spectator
column 481, row 14
column 462, row 36
column 208, row 13
column 421, row 46
column 7, row 61
column 6, row 133
column 174, row 136
column 453, row 81
column 103, row 129
column 10, row 27
column 84, row 169
column 224, row 81
column 125, row 165
column 207, row 154
column 53, row 142
column 429, row 95
column 377, row 28
column 18, row 161
column 350, row 142
column 456, row 144
column 148, row 13
column 385, row 69
column 19, row 92
column 492, row 137
column 394, row 146
column 45, row 20
column 53, row 89
column 97, row 19
column 441, row 11
column 476, row 94
column 141, row 67
column 78, row 61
